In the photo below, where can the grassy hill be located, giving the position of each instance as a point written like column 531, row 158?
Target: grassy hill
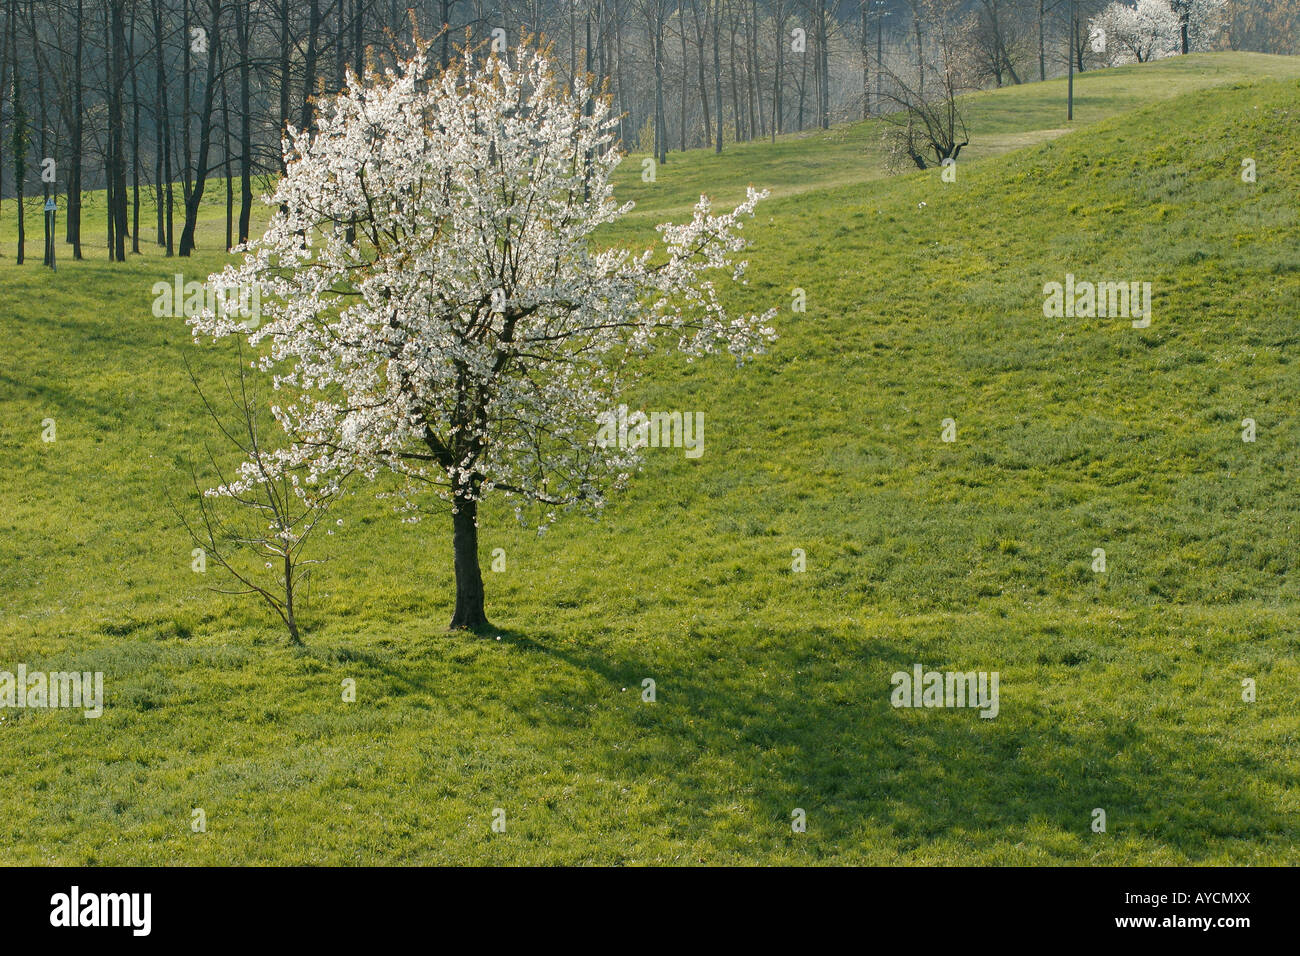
column 1119, row 690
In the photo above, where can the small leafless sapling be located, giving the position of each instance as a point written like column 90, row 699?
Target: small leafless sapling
column 256, row 524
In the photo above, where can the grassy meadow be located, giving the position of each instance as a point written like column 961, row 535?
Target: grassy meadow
column 1120, row 690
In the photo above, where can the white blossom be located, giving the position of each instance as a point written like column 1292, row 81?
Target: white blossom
column 1151, row 29
column 436, row 301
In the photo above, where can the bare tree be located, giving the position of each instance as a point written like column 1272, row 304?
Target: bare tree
column 78, row 134
column 995, row 41
column 656, row 13
column 926, row 126
column 779, row 17
column 163, row 140
column 265, row 529
column 47, row 138
column 210, row 50
column 243, row 41
column 20, row 133
column 701, row 32
column 1045, row 9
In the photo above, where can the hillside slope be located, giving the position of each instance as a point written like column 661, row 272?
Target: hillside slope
column 1119, row 690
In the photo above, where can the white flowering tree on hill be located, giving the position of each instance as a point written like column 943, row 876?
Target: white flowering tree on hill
column 434, row 302
column 1155, row 29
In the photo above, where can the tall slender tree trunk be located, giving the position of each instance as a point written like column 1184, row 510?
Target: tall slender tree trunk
column 19, row 123
column 225, row 158
column 661, row 123
column 445, row 23
column 778, row 80
column 358, row 37
column 755, row 74
column 285, row 44
column 166, row 194
column 735, row 86
column 701, row 35
column 717, row 76
column 866, row 60
column 78, row 134
column 135, row 141
column 618, row 72
column 110, row 137
column 681, row 29
column 187, row 158
column 195, row 196
column 158, row 189
column 243, row 31
column 4, row 86
column 340, row 44
column 817, row 70
column 117, row 119
column 1042, row 40
column 920, row 54
column 824, row 59
column 803, row 85
column 602, row 45
column 47, row 255
column 309, row 63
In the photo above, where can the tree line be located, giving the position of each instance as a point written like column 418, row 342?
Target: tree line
column 158, row 102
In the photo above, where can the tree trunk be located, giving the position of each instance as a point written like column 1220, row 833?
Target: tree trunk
column 116, row 119
column 1042, row 48
column 803, row 85
column 445, row 60
column 469, row 578
column 778, row 79
column 135, row 139
column 309, row 65
column 755, row 74
column 43, row 126
column 717, row 77
column 618, row 75
column 4, row 85
column 285, row 47
column 225, row 161
column 681, row 28
column 78, row 120
column 661, row 121
column 194, row 196
column 736, row 110
column 701, row 34
column 47, row 219
column 242, row 30
column 19, row 130
column 866, row 61
column 825, row 61
column 187, row 153
column 290, row 619
column 920, row 56
column 166, row 194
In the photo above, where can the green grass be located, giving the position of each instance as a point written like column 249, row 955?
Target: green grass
column 1120, row 691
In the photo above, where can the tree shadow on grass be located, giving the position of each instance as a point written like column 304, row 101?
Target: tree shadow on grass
column 815, row 735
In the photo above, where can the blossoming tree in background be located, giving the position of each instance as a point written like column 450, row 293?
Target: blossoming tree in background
column 434, row 303
column 1155, row 29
